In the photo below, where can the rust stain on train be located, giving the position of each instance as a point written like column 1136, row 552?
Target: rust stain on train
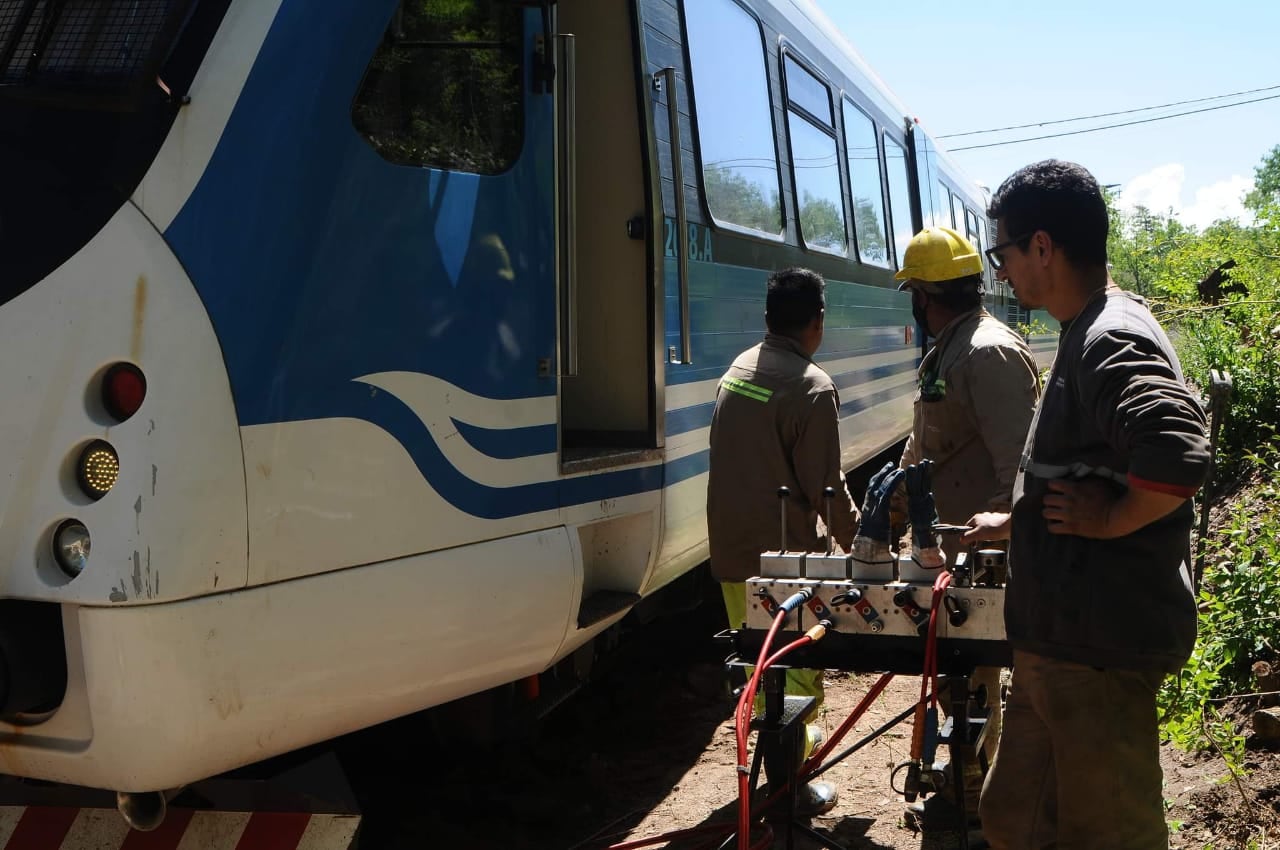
column 139, row 316
column 11, row 751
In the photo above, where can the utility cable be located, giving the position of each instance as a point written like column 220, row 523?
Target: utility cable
column 1111, row 126
column 1107, row 114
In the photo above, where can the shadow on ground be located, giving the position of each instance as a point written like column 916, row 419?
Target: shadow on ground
column 594, row 767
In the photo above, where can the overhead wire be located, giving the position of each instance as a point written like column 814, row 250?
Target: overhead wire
column 1111, row 126
column 1107, row 114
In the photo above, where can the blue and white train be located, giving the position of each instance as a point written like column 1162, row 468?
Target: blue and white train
column 362, row 352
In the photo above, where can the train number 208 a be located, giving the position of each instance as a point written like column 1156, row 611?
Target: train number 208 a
column 699, row 242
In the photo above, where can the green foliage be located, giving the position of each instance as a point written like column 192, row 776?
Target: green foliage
column 1239, row 624
column 457, row 107
column 868, row 222
column 1140, row 246
column 1266, row 182
column 822, row 223
column 734, row 197
column 1034, row 327
column 1237, row 332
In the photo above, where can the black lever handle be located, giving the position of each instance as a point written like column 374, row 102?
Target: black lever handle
column 783, row 493
column 828, row 493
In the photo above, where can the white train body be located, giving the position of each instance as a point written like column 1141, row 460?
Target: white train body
column 364, row 480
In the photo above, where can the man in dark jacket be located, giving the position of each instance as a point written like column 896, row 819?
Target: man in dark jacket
column 777, row 423
column 1099, row 607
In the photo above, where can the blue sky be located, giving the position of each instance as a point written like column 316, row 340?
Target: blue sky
column 1007, row 63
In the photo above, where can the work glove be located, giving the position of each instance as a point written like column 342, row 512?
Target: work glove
column 925, row 544
column 872, row 543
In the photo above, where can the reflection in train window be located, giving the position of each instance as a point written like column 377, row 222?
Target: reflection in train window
column 895, row 158
column 867, row 190
column 814, row 160
column 735, row 124
column 944, row 206
column 444, row 88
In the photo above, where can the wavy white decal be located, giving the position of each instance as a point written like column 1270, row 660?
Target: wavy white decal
column 438, row 404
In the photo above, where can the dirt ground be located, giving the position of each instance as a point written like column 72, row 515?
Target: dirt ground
column 649, row 748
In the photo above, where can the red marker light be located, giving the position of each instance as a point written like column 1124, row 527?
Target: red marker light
column 124, row 388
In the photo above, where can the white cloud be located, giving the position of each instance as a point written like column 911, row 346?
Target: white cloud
column 1160, row 190
column 1224, row 199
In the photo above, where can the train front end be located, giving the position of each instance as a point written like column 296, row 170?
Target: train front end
column 121, row 473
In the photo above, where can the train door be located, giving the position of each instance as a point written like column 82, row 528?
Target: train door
column 607, row 335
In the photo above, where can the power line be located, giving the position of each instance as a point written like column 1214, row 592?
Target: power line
column 1107, row 114
column 1112, row 126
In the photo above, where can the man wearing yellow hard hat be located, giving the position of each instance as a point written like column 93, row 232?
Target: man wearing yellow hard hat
column 977, row 393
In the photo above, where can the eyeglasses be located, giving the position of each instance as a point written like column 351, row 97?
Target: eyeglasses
column 994, row 255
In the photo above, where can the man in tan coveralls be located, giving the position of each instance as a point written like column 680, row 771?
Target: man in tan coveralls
column 777, row 423
column 977, row 394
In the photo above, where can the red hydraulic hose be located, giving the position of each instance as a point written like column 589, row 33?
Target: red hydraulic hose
column 929, row 672
column 740, row 733
column 743, row 723
column 741, row 727
column 815, row 760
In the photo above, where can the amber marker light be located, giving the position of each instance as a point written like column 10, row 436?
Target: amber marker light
column 98, row 469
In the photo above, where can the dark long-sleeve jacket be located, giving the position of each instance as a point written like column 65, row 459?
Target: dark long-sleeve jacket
column 776, row 423
column 1115, row 402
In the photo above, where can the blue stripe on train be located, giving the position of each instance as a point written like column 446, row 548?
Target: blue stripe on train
column 509, row 443
column 393, row 416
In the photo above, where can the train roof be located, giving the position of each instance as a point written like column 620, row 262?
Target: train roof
column 814, row 24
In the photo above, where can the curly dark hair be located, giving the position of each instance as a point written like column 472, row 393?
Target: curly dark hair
column 794, row 298
column 1061, row 198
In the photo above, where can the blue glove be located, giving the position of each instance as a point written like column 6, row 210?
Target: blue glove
column 920, row 506
column 925, row 550
column 875, row 505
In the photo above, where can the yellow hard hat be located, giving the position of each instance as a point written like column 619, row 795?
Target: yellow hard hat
column 938, row 254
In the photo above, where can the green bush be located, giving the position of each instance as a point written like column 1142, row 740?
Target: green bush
column 1239, row 623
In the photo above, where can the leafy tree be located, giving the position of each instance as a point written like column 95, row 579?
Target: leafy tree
column 1266, row 182
column 822, row 223
column 868, row 223
column 1139, row 243
column 733, row 197
column 1164, row 260
column 457, row 107
column 1239, row 333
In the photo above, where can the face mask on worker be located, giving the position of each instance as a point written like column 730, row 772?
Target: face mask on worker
column 918, row 305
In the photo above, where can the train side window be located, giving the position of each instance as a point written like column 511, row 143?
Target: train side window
column 734, row 115
column 944, row 206
column 814, row 160
column 899, row 198
column 444, row 89
column 807, row 92
column 957, row 212
column 971, row 226
column 979, row 239
column 867, row 187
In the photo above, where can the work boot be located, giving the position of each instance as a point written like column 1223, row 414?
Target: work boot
column 816, row 798
column 814, row 738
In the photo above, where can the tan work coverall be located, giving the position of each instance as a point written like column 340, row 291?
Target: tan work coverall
column 977, row 392
column 976, row 396
column 776, row 423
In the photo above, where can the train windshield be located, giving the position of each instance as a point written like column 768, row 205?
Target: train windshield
column 88, row 91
